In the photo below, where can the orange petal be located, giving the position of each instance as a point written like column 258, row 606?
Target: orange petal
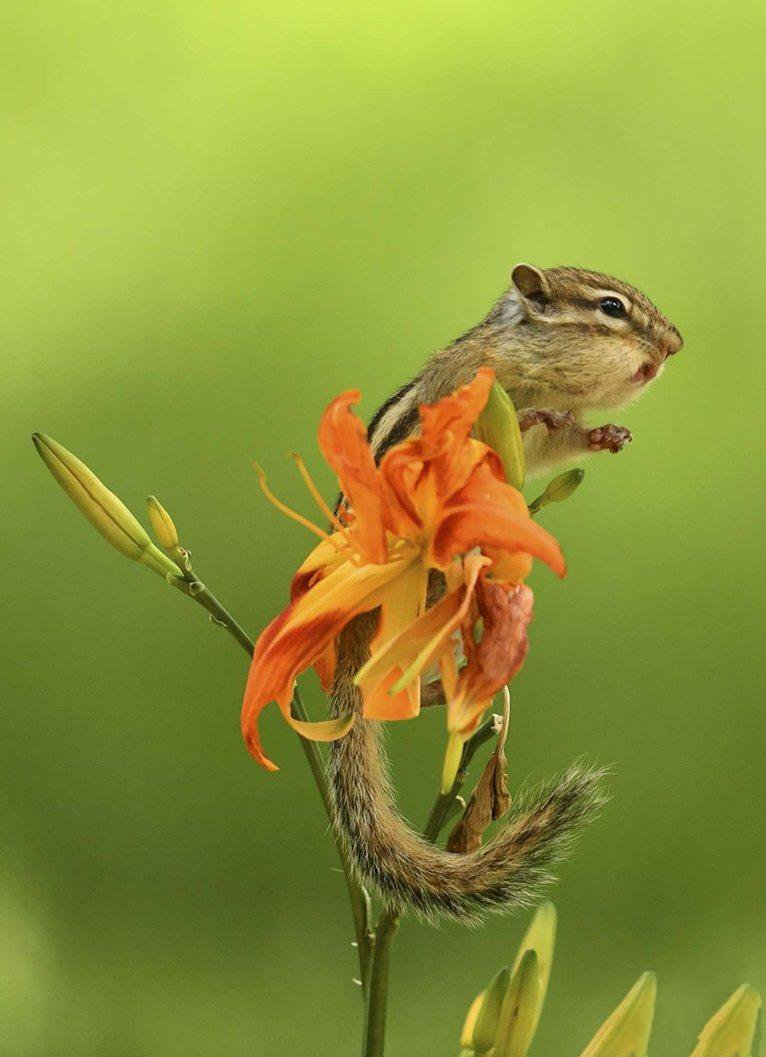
column 301, row 634
column 323, row 729
column 432, row 638
column 400, row 606
column 343, row 440
column 380, row 703
column 486, row 514
column 325, row 666
column 457, row 412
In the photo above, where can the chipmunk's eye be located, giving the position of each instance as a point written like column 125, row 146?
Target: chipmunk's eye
column 612, row 306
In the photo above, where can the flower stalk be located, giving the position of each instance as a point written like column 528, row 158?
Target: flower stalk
column 122, row 530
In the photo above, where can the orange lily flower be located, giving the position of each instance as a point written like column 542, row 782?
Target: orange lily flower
column 437, row 501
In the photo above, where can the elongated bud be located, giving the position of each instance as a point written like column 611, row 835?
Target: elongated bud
column 102, row 508
column 466, row 1035
column 540, row 937
column 733, row 1028
column 626, row 1032
column 488, row 1017
column 559, row 489
column 162, row 524
column 521, row 1010
column 498, row 427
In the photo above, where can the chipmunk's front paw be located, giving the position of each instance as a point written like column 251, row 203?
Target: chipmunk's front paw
column 609, row 438
column 542, row 416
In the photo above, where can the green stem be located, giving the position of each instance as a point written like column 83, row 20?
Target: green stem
column 388, row 923
column 377, row 997
column 360, row 900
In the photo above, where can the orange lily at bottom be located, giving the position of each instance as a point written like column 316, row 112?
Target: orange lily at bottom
column 438, row 501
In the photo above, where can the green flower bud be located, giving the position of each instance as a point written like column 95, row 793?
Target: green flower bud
column 626, row 1032
column 488, row 1017
column 498, row 427
column 102, row 508
column 540, row 937
column 733, row 1029
column 559, row 489
column 520, row 1012
column 164, row 530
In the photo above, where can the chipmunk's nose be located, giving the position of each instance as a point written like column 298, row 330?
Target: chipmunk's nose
column 673, row 342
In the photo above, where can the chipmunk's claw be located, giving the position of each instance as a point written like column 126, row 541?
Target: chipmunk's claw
column 541, row 416
column 609, row 438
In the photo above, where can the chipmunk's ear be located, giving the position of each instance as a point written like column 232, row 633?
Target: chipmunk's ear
column 531, row 283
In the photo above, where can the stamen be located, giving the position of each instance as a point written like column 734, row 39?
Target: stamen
column 284, row 509
column 317, row 495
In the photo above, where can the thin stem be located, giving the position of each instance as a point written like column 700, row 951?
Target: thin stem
column 360, row 900
column 388, row 923
column 377, row 998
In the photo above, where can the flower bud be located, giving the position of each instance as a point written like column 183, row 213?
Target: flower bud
column 540, row 937
column 488, row 1017
column 733, row 1028
column 466, row 1035
column 626, row 1032
column 521, row 1010
column 164, row 530
column 559, row 489
column 498, row 427
column 102, row 508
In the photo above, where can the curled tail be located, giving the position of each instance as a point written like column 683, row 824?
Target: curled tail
column 505, row 874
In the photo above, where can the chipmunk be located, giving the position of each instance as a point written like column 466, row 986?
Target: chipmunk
column 561, row 341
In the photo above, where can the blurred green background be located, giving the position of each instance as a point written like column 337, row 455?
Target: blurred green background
column 215, row 217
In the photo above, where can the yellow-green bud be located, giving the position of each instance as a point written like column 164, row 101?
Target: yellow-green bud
column 521, row 1010
column 488, row 1017
column 164, row 530
column 102, row 508
column 498, row 427
column 628, row 1029
column 540, row 937
column 559, row 489
column 733, row 1028
column 466, row 1035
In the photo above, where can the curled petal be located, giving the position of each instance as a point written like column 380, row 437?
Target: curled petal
column 322, row 729
column 343, row 440
column 486, row 514
column 302, row 633
column 455, row 414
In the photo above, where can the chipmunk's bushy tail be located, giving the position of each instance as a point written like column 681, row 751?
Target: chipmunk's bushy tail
column 504, row 875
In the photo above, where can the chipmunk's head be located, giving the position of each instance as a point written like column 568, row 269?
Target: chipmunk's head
column 599, row 340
